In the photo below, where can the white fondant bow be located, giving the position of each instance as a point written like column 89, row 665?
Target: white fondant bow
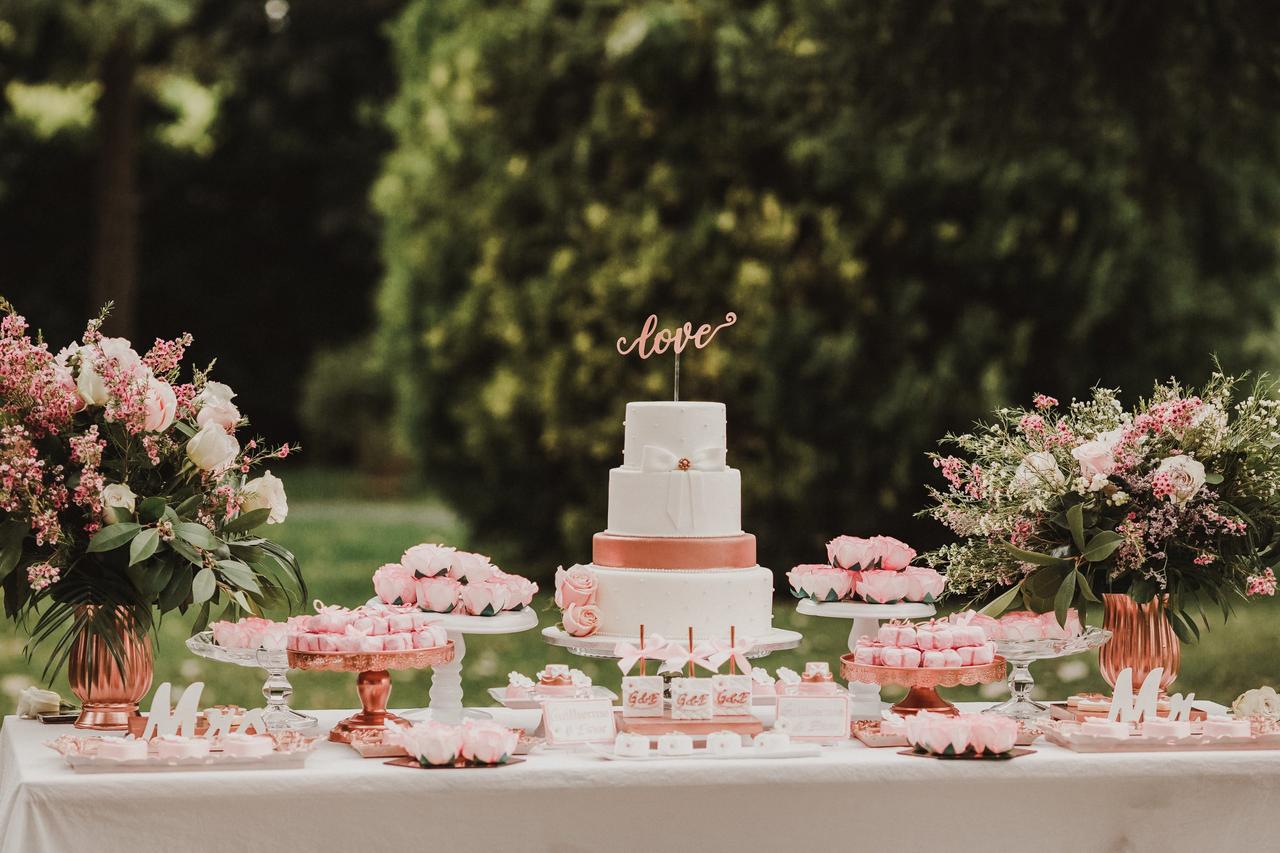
column 678, row 657
column 738, row 651
column 685, row 501
column 654, row 648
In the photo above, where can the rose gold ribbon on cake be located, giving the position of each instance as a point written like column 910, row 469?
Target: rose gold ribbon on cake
column 653, row 552
column 685, row 498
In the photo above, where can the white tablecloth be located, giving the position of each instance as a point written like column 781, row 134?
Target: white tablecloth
column 849, row 799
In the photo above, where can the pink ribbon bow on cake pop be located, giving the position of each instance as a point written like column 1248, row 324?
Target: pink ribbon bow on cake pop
column 654, row 648
column 678, row 657
column 684, row 488
column 738, row 651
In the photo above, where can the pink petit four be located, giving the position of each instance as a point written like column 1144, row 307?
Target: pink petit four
column 817, row 679
column 984, row 654
column 762, row 683
column 1105, row 728
column 911, row 657
column 176, row 746
column 1166, row 729
column 891, row 656
column 519, row 686
column 933, row 659
column 555, row 680
column 126, row 748
column 950, row 658
column 246, row 746
column 397, row 642
column 1219, row 726
column 867, row 656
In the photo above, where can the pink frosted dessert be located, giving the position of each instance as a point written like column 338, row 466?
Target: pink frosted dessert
column 762, row 683
column 518, row 686
column 176, row 746
column 555, row 680
column 817, row 680
column 247, row 746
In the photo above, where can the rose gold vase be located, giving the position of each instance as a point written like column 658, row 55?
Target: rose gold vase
column 108, row 697
column 1141, row 638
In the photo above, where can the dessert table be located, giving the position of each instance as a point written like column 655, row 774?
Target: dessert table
column 849, row 798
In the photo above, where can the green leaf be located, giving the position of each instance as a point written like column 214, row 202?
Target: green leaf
column 189, row 505
column 1033, row 557
column 247, row 521
column 1212, row 478
column 197, row 534
column 113, row 536
column 143, row 545
column 12, row 534
column 1142, row 590
column 1082, row 581
column 1066, row 594
column 203, row 585
column 1180, row 627
column 187, row 552
column 151, row 578
column 116, row 514
column 152, row 509
column 241, row 600
column 1102, row 546
column 1002, row 603
column 176, row 590
column 1075, row 522
column 184, row 428
column 239, row 574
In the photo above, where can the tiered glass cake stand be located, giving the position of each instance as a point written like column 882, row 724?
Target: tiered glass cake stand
column 864, row 697
column 1022, row 653
column 446, row 679
column 277, row 689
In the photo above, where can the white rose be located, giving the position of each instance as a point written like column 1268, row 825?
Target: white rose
column 1185, row 474
column 265, row 492
column 215, row 392
column 92, row 387
column 1260, row 702
column 221, row 412
column 120, row 496
column 161, row 405
column 211, row 449
column 1037, row 468
column 1096, row 459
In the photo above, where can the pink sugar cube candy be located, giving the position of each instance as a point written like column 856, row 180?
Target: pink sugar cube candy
column 371, row 644
column 925, row 639
column 397, row 642
column 888, row 635
column 398, row 623
column 864, row 655
column 422, row 620
column 364, row 624
column 933, row 659
column 984, row 654
column 966, row 655
column 891, row 656
column 906, row 636
column 950, row 657
column 943, row 638
column 378, row 625
column 911, row 657
column 327, row 642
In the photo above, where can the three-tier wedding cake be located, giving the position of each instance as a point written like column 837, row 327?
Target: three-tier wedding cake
column 674, row 555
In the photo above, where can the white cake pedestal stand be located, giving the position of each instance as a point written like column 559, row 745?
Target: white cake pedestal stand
column 446, row 679
column 864, row 699
column 601, row 646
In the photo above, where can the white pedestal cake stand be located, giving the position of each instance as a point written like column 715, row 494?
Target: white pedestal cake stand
column 864, row 699
column 777, row 640
column 446, row 679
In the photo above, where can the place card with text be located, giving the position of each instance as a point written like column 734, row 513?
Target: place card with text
column 814, row 717
column 570, row 721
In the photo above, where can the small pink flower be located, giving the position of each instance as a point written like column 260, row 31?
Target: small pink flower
column 1263, row 584
column 1044, row 401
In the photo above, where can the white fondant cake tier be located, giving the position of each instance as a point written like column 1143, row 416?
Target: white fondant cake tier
column 684, row 429
column 675, row 503
column 668, row 601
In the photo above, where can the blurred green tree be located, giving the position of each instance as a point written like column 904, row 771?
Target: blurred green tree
column 918, row 210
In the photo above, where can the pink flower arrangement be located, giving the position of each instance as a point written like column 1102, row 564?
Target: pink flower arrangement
column 961, row 734
column 115, row 471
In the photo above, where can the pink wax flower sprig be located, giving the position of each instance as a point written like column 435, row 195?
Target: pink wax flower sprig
column 1056, row 505
column 124, row 487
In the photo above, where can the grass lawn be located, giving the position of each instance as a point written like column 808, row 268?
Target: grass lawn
column 341, row 540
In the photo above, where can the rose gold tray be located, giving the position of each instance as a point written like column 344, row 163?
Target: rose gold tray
column 372, row 661
column 1067, row 736
column 1061, row 711
column 922, row 682
column 743, row 724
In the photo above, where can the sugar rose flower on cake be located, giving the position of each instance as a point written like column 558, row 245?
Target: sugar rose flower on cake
column 575, row 585
column 820, row 582
column 923, row 584
column 580, row 620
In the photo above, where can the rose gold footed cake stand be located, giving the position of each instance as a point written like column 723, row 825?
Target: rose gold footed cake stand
column 373, row 682
column 922, row 683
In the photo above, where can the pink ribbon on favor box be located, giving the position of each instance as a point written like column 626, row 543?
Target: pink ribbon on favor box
column 654, row 648
column 678, row 657
column 738, row 651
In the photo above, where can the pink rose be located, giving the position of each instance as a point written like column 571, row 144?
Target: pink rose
column 882, row 587
column 221, row 412
column 992, row 734
column 852, row 552
column 486, row 598
column 428, row 561
column 160, row 405
column 820, row 582
column 581, row 620
column 520, row 590
column 471, row 568
column 395, row 584
column 431, row 743
column 577, row 585
column 487, row 742
column 923, row 584
column 438, row 594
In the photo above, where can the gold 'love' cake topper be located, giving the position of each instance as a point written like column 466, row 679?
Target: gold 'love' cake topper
column 653, row 340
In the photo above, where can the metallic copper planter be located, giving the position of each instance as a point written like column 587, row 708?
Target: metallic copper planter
column 108, row 697
column 1141, row 638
